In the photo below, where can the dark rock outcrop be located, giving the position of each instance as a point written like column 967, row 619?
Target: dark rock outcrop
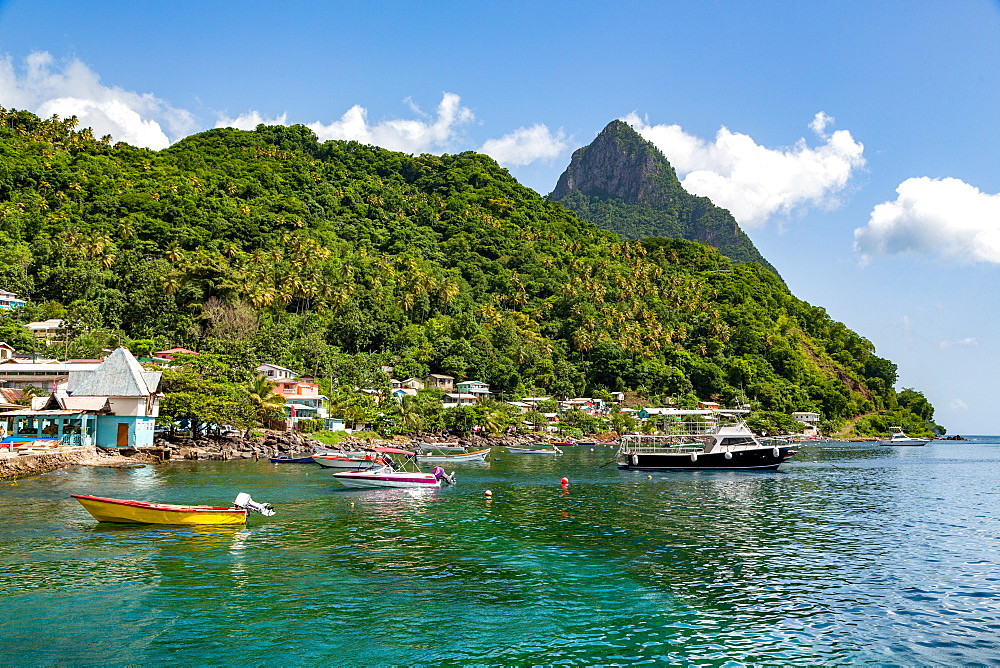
column 624, row 184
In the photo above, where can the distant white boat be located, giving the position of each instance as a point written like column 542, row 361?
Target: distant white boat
column 477, row 456
column 440, row 447
column 899, row 438
column 534, row 451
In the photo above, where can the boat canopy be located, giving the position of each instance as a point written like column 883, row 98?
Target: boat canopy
column 394, row 451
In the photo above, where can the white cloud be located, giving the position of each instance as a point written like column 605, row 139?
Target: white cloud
column 967, row 342
column 250, row 120
column 45, row 87
column 958, row 406
column 755, row 182
column 430, row 133
column 526, row 145
column 944, row 216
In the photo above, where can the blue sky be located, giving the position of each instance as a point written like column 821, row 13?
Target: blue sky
column 856, row 142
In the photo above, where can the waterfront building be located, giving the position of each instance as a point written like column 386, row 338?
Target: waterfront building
column 453, row 399
column 273, row 372
column 412, row 383
column 49, row 331
column 8, row 301
column 47, row 375
column 810, row 422
column 114, row 405
column 170, row 352
column 440, row 382
column 474, row 387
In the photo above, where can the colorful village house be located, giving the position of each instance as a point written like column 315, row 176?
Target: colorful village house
column 8, row 301
column 113, row 406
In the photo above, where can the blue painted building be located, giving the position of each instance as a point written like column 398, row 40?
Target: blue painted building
column 112, row 406
column 8, row 300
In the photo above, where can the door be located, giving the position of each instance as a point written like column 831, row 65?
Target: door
column 122, row 435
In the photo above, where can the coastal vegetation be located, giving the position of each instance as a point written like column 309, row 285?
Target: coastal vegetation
column 338, row 259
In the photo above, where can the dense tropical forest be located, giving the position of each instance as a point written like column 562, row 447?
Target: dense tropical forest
column 338, row 258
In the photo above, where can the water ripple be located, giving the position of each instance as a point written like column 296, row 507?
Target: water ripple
column 856, row 554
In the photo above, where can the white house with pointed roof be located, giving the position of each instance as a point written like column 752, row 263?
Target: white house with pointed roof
column 113, row 405
column 133, row 398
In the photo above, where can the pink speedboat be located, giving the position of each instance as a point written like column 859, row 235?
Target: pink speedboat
column 393, row 475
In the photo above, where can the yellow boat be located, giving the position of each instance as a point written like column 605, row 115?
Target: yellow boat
column 123, row 511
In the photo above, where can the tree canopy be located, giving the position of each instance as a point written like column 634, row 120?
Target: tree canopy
column 337, row 258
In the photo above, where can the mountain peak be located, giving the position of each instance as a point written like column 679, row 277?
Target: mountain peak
column 624, row 184
column 619, row 164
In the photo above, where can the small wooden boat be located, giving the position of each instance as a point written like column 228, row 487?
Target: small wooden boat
column 393, row 476
column 564, row 444
column 477, row 456
column 292, row 460
column 123, row 511
column 534, row 451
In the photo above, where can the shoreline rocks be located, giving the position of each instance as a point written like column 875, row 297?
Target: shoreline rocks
column 38, row 463
column 271, row 444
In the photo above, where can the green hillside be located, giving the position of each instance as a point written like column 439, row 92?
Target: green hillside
column 337, row 258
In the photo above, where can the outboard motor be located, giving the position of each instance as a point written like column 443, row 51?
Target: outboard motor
column 441, row 475
column 243, row 500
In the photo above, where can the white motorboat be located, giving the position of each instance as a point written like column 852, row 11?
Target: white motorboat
column 476, row 456
column 359, row 460
column 392, row 475
column 534, row 451
column 899, row 438
column 440, row 447
column 706, row 440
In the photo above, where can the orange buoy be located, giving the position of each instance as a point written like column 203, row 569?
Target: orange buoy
column 564, row 481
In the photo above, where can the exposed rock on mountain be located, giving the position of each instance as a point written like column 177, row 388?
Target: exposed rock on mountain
column 624, row 184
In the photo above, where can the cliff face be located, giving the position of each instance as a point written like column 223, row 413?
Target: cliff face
column 624, row 184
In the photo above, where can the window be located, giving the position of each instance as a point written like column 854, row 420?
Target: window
column 26, row 426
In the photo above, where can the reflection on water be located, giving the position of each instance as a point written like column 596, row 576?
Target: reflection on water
column 850, row 554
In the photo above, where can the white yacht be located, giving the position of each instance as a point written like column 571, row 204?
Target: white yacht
column 701, row 440
column 899, row 438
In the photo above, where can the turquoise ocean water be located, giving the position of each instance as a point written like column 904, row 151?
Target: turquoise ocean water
column 851, row 553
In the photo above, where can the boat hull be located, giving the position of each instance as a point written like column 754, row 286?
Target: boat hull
column 910, row 442
column 122, row 511
column 477, row 456
column 376, row 479
column 530, row 451
column 289, row 460
column 349, row 463
column 757, row 459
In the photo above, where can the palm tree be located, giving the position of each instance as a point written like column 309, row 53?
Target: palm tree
column 409, row 414
column 266, row 402
column 29, row 393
